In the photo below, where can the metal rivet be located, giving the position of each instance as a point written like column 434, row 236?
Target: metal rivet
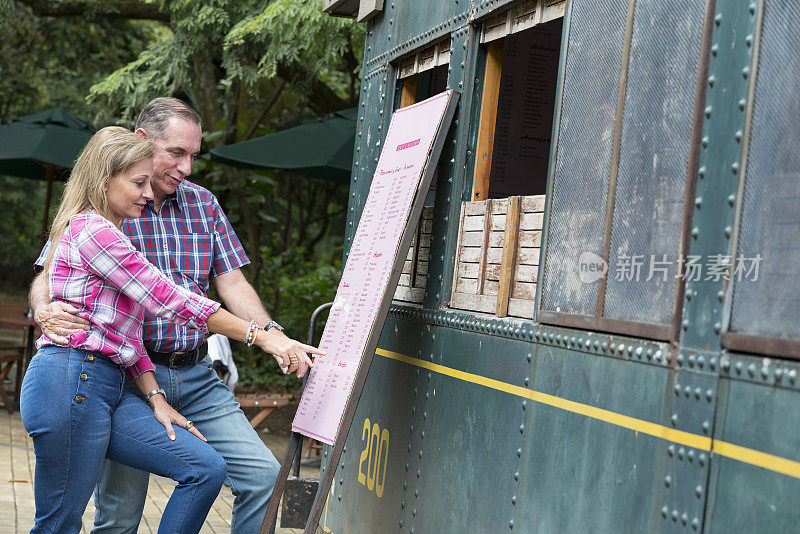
column 668, row 480
column 84, row 376
column 79, row 398
column 671, row 450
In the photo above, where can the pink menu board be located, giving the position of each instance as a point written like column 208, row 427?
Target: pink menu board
column 359, row 309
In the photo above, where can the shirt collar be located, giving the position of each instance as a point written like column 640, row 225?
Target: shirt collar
column 179, row 196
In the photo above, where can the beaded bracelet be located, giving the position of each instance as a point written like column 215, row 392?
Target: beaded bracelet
column 250, row 337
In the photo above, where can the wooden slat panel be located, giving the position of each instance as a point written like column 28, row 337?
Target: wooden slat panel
column 405, row 280
column 498, row 223
column 499, row 206
column 475, row 208
column 553, row 10
column 473, row 223
column 491, row 287
column 470, row 254
column 524, row 290
column 471, row 239
column 526, row 273
column 427, row 213
column 521, row 308
column 420, row 280
column 424, row 241
column 528, row 256
column 410, row 255
column 422, row 267
column 410, row 294
column 495, row 255
column 424, row 252
column 478, row 303
column 531, row 221
column 496, row 239
column 467, row 286
column 530, row 238
column 532, row 204
column 468, row 270
column 427, row 226
column 407, row 267
column 492, row 271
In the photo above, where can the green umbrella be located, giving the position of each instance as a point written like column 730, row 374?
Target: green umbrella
column 320, row 149
column 41, row 145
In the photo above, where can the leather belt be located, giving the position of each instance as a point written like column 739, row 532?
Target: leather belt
column 179, row 359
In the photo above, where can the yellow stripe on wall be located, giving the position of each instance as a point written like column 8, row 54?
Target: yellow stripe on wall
column 729, row 450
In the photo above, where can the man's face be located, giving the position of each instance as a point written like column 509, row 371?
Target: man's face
column 174, row 153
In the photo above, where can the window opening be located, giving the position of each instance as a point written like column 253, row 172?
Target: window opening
column 497, row 257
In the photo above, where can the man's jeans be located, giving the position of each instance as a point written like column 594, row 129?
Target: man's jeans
column 75, row 408
column 200, row 396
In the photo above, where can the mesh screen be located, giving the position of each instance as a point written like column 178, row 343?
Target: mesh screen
column 583, row 157
column 654, row 149
column 769, row 304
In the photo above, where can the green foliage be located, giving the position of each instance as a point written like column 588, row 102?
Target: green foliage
column 294, row 285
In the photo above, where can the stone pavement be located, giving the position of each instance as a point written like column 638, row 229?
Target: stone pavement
column 17, row 509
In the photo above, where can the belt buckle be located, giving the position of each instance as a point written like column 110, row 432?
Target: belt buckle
column 172, row 357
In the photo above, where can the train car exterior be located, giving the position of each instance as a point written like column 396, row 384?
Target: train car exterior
column 603, row 339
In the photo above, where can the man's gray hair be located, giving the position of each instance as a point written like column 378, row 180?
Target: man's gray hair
column 154, row 116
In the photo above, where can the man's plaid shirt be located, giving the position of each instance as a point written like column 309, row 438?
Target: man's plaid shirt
column 191, row 241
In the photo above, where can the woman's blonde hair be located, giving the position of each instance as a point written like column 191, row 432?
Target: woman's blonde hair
column 109, row 152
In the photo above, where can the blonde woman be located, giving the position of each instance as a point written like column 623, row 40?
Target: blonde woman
column 74, row 403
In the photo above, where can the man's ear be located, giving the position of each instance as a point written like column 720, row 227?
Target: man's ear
column 142, row 132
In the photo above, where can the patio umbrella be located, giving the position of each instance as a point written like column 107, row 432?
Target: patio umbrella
column 320, row 149
column 42, row 146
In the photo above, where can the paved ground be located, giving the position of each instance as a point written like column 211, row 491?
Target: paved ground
column 17, row 462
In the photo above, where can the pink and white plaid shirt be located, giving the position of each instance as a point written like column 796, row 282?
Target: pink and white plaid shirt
column 97, row 270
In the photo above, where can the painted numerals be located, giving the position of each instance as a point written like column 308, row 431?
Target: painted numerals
column 372, row 463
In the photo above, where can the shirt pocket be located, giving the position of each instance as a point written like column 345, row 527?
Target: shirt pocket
column 194, row 258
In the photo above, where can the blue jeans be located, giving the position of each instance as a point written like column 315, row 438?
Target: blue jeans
column 76, row 409
column 199, row 395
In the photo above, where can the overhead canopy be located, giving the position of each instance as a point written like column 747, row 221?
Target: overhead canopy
column 320, row 149
column 54, row 137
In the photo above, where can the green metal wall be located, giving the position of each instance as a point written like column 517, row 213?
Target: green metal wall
column 502, row 425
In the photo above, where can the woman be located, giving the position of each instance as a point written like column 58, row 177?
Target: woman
column 74, row 403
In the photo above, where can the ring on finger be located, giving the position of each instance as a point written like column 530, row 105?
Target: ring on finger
column 293, row 359
column 189, row 424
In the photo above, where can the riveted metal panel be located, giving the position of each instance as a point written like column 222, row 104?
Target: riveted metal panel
column 767, row 303
column 654, row 152
column 745, row 497
column 386, row 400
column 582, row 474
column 373, row 113
column 579, row 174
column 684, row 479
column 717, row 175
column 410, row 25
column 469, row 436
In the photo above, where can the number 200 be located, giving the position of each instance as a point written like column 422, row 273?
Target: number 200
column 375, row 454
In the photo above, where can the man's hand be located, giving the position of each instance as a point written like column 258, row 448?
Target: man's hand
column 283, row 348
column 58, row 320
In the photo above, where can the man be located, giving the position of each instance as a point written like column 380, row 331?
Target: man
column 185, row 233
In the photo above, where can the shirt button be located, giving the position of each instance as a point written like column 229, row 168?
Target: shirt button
column 79, row 398
column 84, row 376
column 90, row 358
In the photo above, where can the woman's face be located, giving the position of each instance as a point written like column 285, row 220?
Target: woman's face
column 128, row 192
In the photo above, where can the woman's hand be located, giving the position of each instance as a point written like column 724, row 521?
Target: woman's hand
column 291, row 355
column 167, row 416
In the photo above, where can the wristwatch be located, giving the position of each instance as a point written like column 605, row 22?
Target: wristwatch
column 271, row 324
column 155, row 392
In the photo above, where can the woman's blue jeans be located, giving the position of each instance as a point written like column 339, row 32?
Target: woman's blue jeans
column 78, row 412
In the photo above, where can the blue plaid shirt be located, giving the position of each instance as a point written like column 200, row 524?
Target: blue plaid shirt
column 191, row 241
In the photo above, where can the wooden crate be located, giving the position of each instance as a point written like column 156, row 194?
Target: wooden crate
column 411, row 287
column 497, row 263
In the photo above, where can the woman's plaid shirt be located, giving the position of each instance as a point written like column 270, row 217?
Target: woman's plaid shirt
column 97, row 270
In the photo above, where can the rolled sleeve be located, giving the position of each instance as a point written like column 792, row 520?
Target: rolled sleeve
column 142, row 365
column 38, row 265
